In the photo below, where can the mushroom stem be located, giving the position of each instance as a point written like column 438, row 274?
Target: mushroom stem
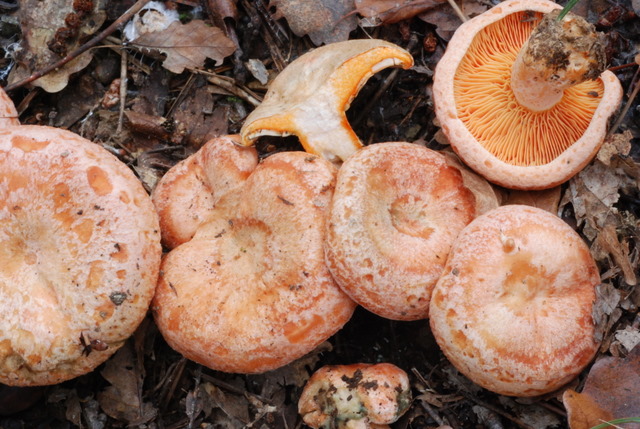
column 558, row 55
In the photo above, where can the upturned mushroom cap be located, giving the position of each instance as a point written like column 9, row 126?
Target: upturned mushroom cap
column 396, row 211
column 355, row 396
column 250, row 291
column 512, row 310
column 80, row 251
column 188, row 192
column 8, row 112
column 309, row 97
column 509, row 144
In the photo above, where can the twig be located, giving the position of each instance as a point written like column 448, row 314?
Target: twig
column 231, row 86
column 626, row 107
column 458, row 11
column 124, row 80
column 81, row 49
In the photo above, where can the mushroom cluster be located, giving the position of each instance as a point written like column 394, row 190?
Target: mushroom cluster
column 80, row 251
column 246, row 288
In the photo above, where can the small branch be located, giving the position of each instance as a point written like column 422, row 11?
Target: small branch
column 82, row 49
column 231, row 86
column 124, row 81
column 458, row 11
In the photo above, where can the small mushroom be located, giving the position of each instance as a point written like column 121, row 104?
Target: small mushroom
column 396, row 211
column 521, row 97
column 512, row 310
column 250, row 291
column 309, row 97
column 80, row 251
column 354, row 396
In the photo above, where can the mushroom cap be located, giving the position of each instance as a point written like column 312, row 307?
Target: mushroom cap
column 512, row 310
column 503, row 141
column 337, row 394
column 396, row 211
column 80, row 251
column 187, row 193
column 309, row 97
column 8, row 112
column 250, row 292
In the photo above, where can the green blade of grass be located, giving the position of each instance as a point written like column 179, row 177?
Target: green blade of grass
column 612, row 423
column 570, row 4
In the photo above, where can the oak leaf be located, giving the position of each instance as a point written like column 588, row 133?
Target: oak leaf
column 188, row 45
column 610, row 392
column 325, row 21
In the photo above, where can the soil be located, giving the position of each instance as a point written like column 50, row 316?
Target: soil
column 169, row 116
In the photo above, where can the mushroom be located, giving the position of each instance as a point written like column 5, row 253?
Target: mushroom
column 517, row 109
column 80, row 251
column 512, row 309
column 355, row 396
column 395, row 213
column 309, row 97
column 190, row 190
column 250, row 291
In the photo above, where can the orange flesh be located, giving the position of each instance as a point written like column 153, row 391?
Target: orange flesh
column 488, row 108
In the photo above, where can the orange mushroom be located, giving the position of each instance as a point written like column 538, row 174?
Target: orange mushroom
column 512, row 310
column 191, row 189
column 80, row 251
column 355, row 396
column 515, row 109
column 250, row 291
column 309, row 97
column 396, row 211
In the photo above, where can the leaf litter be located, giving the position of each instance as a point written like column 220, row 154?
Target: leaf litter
column 241, row 44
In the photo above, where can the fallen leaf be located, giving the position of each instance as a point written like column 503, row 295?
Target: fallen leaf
column 485, row 194
column 223, row 9
column 610, row 392
column 605, row 310
column 593, row 192
column 447, row 21
column 607, row 243
column 629, row 337
column 617, row 144
column 40, row 20
column 325, row 21
column 392, row 11
column 188, row 45
column 122, row 400
column 582, row 411
column 234, row 406
column 548, row 199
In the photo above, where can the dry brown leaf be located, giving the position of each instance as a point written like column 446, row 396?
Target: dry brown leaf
column 548, row 199
column 40, row 20
column 607, row 243
column 605, row 310
column 610, row 392
column 188, row 45
column 122, row 400
column 593, row 192
column 223, row 9
column 325, row 21
column 484, row 193
column 583, row 412
column 446, row 20
column 392, row 11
